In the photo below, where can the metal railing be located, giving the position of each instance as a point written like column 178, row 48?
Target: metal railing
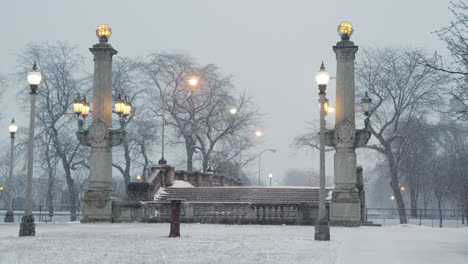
column 60, row 214
column 426, row 217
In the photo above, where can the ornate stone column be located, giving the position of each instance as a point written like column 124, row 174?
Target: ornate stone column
column 345, row 204
column 97, row 202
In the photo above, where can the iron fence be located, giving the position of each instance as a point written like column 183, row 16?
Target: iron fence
column 59, row 214
column 426, row 217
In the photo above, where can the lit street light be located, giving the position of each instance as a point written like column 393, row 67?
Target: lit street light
column 99, row 136
column 192, row 82
column 27, row 226
column 322, row 228
column 260, row 162
column 9, row 215
column 138, row 177
column 233, row 111
column 270, row 176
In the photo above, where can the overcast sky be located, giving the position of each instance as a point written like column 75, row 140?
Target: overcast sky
column 272, row 48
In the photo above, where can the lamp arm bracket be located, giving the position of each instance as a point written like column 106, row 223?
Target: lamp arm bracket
column 363, row 135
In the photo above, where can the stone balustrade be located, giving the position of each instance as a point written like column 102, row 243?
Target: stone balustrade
column 220, row 213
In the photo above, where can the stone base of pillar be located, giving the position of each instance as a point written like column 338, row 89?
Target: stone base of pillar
column 322, row 231
column 27, row 226
column 9, row 217
column 345, row 208
column 97, row 206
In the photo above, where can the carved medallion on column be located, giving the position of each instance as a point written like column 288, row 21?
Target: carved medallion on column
column 98, row 131
column 345, row 132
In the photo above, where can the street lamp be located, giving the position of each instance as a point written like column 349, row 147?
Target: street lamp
column 192, row 82
column 9, row 215
column 260, row 162
column 322, row 228
column 258, row 133
column 27, row 226
column 138, row 177
column 233, row 111
column 270, row 176
column 366, row 105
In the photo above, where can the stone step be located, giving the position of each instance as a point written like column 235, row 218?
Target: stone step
column 255, row 195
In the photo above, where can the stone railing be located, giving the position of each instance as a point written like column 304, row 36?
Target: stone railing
column 203, row 179
column 221, row 213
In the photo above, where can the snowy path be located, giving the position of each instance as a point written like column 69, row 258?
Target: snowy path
column 404, row 244
column 148, row 243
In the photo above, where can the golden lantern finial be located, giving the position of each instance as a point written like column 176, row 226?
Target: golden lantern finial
column 345, row 29
column 103, row 32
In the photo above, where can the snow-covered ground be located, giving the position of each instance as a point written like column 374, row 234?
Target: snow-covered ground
column 200, row 243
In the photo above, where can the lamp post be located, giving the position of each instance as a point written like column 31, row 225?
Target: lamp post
column 9, row 215
column 27, row 226
column 270, row 176
column 345, row 138
column 192, row 82
column 260, row 161
column 322, row 229
column 97, row 202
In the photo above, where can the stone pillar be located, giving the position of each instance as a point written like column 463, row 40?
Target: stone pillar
column 166, row 174
column 345, row 205
column 97, row 203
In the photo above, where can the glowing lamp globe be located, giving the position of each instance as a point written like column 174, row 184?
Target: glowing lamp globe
column 258, row 133
column 322, row 77
column 103, row 32
column 77, row 105
column 34, row 77
column 193, row 81
column 233, row 111
column 345, row 29
column 366, row 105
column 119, row 105
column 85, row 109
column 13, row 127
column 127, row 109
column 325, row 105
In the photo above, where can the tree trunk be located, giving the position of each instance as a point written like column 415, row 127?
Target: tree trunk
column 144, row 175
column 439, row 200
column 462, row 214
column 414, row 201
column 50, row 202
column 189, row 150
column 70, row 185
column 126, row 174
column 206, row 159
column 396, row 189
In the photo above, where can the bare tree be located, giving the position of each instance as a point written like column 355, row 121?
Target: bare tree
column 199, row 116
column 400, row 87
column 217, row 122
column 60, row 66
column 140, row 125
column 455, row 37
column 166, row 75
